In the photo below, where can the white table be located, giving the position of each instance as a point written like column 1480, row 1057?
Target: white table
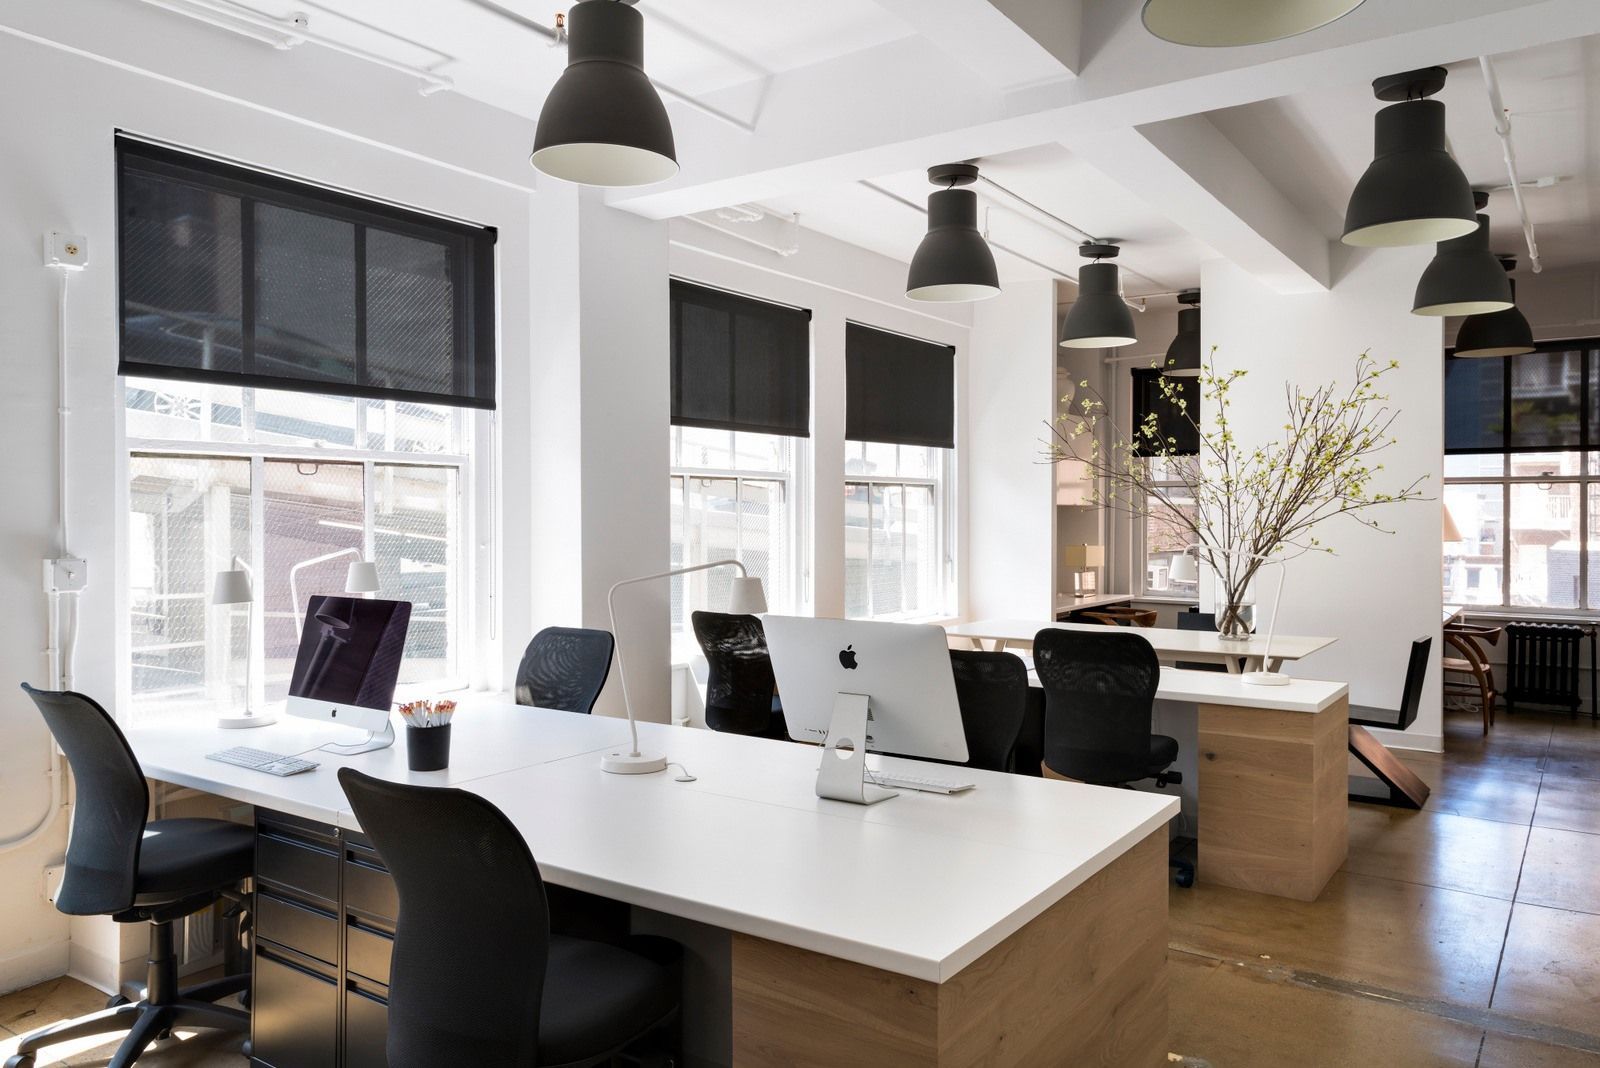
column 966, row 898
column 1198, row 646
column 1066, row 602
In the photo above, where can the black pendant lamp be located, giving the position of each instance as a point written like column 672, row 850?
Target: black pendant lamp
column 1413, row 193
column 1501, row 333
column 1464, row 277
column 1183, row 355
column 953, row 263
column 603, row 123
column 1220, row 23
column 1099, row 318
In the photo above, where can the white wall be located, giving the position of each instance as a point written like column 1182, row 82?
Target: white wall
column 838, row 282
column 59, row 175
column 1379, row 591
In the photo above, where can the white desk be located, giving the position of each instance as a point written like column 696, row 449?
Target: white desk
column 1066, row 602
column 1199, row 646
column 968, row 898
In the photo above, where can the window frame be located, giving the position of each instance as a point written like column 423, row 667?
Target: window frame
column 1141, row 540
column 943, row 487
column 474, row 508
column 1585, row 481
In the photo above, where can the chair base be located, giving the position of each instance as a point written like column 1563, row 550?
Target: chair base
column 164, row 1008
column 1396, row 784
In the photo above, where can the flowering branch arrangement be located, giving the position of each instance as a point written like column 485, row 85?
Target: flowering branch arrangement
column 1240, row 504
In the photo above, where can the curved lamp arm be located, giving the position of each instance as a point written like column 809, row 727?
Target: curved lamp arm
column 294, row 591
column 611, row 607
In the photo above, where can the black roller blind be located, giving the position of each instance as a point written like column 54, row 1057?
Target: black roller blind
column 739, row 363
column 1176, row 427
column 234, row 276
column 1542, row 401
column 898, row 390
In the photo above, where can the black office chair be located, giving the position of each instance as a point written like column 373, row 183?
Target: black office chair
column 476, row 976
column 1099, row 696
column 741, row 693
column 1194, row 619
column 992, row 689
column 565, row 668
column 134, row 871
column 1410, row 693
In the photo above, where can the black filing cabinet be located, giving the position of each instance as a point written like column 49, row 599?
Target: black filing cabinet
column 324, row 927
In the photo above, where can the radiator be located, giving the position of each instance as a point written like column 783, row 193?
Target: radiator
column 1543, row 664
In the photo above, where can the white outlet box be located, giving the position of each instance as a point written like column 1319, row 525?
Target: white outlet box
column 66, row 251
column 67, row 575
column 52, row 881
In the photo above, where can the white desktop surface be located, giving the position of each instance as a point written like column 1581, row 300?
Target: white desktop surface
column 1068, row 602
column 1169, row 643
column 922, row 884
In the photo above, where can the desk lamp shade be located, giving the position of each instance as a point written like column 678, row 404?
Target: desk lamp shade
column 232, row 587
column 746, row 597
column 1083, row 557
column 1464, row 278
column 603, row 123
column 1183, row 569
column 953, row 263
column 1413, row 192
column 361, row 577
column 1225, row 23
column 1501, row 333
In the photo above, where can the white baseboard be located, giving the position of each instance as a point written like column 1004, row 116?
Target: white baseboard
column 34, row 965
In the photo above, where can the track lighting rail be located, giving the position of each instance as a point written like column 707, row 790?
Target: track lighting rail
column 1502, row 129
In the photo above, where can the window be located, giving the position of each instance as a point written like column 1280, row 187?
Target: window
column 896, row 560
column 296, row 486
column 733, row 496
column 1162, row 535
column 1522, row 478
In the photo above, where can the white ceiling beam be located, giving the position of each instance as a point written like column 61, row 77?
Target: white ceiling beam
column 900, row 107
column 1007, row 43
column 1188, row 171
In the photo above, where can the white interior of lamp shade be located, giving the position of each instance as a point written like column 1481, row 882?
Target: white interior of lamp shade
column 1223, row 23
column 1404, row 232
column 595, row 163
column 953, row 292
column 1097, row 342
column 1463, row 307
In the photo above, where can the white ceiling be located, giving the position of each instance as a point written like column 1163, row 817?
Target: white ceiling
column 1314, row 147
column 1158, row 255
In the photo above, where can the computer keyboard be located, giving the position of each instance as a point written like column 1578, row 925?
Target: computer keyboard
column 261, row 760
column 919, row 782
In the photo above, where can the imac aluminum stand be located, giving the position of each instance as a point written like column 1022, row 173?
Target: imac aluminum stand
column 374, row 741
column 843, row 774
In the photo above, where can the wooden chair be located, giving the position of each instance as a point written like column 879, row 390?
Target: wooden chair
column 1470, row 674
column 1120, row 616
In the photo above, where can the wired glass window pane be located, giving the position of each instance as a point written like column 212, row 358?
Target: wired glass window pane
column 1166, row 538
column 313, row 518
column 1473, row 566
column 283, row 418
column 1544, row 548
column 188, row 518
column 709, row 530
column 893, row 559
column 169, row 410
column 414, row 543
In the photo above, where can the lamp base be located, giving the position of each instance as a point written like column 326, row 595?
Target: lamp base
column 620, row 763
column 1266, row 678
column 241, row 722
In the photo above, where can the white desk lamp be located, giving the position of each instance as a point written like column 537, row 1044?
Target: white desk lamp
column 361, row 577
column 746, row 597
column 230, row 588
column 1185, row 569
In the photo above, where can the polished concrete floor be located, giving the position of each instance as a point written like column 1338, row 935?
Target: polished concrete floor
column 1466, row 934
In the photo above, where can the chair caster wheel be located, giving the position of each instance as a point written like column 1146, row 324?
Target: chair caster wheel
column 21, row 1060
column 1185, row 879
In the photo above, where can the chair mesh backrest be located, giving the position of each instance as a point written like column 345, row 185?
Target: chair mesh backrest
column 1099, row 693
column 740, row 684
column 472, row 940
column 1205, row 621
column 565, row 668
column 992, row 689
column 1416, row 674
column 109, row 811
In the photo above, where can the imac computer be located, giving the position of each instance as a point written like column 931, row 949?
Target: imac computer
column 853, row 686
column 347, row 665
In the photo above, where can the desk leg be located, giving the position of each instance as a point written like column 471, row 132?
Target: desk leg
column 1273, row 798
column 1084, row 983
column 1232, row 664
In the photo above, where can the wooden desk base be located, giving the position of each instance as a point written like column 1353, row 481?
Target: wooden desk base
column 1085, row 983
column 1274, row 814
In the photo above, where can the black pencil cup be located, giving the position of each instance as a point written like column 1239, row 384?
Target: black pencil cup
column 428, row 748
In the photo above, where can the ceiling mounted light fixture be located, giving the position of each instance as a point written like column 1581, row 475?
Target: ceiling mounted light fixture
column 1501, row 333
column 603, row 123
column 1223, row 23
column 1464, row 277
column 1413, row 192
column 1183, row 355
column 1099, row 318
column 953, row 262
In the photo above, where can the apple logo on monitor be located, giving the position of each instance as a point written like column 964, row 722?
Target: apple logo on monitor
column 847, row 658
